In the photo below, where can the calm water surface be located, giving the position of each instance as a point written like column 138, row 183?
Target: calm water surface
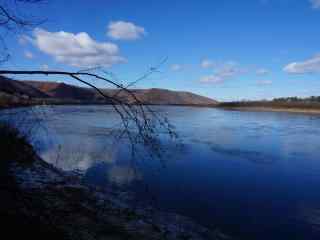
column 252, row 175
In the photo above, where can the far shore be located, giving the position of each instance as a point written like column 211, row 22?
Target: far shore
column 222, row 106
column 272, row 109
column 291, row 105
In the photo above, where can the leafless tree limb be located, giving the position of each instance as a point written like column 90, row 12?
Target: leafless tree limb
column 12, row 21
column 141, row 123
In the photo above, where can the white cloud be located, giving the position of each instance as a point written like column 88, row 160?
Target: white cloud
column 121, row 30
column 213, row 78
column 264, row 82
column 28, row 54
column 262, row 71
column 311, row 65
column 44, row 67
column 78, row 50
column 24, row 39
column 176, row 67
column 315, row 4
column 207, row 63
column 226, row 72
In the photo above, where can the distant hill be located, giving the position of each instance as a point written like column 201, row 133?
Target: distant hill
column 160, row 97
column 60, row 93
column 147, row 96
column 19, row 88
column 62, row 90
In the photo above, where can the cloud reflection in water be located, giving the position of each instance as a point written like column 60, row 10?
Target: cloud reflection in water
column 122, row 175
column 79, row 155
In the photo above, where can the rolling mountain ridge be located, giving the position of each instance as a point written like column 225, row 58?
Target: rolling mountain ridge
column 65, row 92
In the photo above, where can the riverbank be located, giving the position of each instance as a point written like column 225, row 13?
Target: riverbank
column 312, row 111
column 272, row 109
column 56, row 102
column 9, row 101
column 271, row 106
column 40, row 201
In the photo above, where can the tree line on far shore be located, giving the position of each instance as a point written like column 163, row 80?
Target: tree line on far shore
column 311, row 99
column 312, row 102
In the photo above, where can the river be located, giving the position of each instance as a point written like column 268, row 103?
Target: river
column 252, row 175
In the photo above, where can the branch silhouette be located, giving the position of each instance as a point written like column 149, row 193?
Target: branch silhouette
column 13, row 20
column 142, row 124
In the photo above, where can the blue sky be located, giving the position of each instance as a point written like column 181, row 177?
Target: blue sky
column 228, row 50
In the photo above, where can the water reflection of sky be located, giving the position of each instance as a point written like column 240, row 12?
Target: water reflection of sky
column 81, row 154
column 254, row 175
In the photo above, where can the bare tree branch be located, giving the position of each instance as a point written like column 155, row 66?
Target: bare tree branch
column 12, row 21
column 141, row 123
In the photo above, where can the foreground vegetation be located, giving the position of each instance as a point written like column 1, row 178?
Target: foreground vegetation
column 15, row 203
